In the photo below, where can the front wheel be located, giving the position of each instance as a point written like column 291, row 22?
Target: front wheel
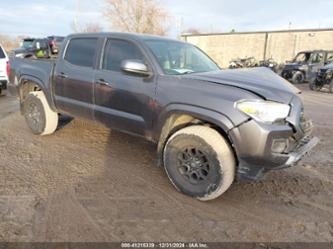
column 199, row 162
column 41, row 119
column 298, row 78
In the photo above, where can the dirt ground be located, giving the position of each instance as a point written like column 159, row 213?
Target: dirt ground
column 87, row 183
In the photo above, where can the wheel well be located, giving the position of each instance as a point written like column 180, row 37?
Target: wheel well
column 179, row 121
column 26, row 88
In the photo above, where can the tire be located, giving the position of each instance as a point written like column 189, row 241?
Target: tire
column 2, row 92
column 38, row 114
column 298, row 78
column 314, row 86
column 330, row 87
column 199, row 162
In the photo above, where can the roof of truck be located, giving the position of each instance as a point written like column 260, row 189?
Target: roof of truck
column 132, row 36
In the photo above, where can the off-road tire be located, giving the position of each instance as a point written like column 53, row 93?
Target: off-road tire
column 39, row 116
column 313, row 86
column 298, row 78
column 212, row 149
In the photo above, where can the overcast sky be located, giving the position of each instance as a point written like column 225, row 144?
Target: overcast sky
column 41, row 18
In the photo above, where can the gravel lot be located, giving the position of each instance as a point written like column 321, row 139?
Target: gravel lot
column 88, row 183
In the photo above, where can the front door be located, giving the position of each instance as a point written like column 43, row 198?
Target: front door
column 315, row 63
column 123, row 101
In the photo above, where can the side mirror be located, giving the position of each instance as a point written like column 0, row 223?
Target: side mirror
column 38, row 45
column 135, row 67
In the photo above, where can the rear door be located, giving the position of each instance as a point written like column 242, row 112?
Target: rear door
column 123, row 101
column 74, row 77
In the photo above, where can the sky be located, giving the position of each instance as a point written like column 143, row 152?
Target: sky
column 40, row 18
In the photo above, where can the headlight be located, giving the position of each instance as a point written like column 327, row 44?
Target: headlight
column 264, row 111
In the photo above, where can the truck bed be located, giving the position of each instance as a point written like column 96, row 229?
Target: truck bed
column 36, row 69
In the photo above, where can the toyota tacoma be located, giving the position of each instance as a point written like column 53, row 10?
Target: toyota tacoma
column 211, row 126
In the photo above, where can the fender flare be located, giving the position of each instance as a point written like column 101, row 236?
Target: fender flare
column 162, row 133
column 24, row 78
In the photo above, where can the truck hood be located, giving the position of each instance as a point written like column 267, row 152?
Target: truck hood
column 260, row 81
column 293, row 65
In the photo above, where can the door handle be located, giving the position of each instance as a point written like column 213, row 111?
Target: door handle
column 63, row 75
column 103, row 82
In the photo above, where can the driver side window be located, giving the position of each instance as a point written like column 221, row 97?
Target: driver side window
column 116, row 51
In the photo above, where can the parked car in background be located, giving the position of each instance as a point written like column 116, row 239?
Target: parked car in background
column 4, row 70
column 55, row 43
column 209, row 125
column 305, row 65
column 25, row 45
column 324, row 78
column 38, row 48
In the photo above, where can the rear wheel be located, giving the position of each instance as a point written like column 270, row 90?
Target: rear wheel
column 298, row 78
column 38, row 114
column 199, row 162
column 2, row 92
column 330, row 87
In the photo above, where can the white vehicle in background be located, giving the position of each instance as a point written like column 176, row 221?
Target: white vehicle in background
column 4, row 70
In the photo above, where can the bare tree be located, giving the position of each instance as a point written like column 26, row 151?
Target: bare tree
column 92, row 27
column 9, row 43
column 137, row 16
column 192, row 31
column 89, row 27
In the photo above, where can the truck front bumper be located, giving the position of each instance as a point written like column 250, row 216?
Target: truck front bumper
column 261, row 148
column 306, row 145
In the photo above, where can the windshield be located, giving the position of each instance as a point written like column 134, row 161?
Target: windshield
column 178, row 58
column 27, row 43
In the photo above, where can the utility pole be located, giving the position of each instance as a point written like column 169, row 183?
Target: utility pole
column 76, row 17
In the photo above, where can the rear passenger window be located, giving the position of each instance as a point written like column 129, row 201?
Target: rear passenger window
column 116, row 51
column 2, row 54
column 81, row 51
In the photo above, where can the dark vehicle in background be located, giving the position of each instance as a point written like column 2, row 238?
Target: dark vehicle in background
column 210, row 125
column 25, row 45
column 324, row 78
column 55, row 43
column 306, row 65
column 37, row 48
column 27, row 42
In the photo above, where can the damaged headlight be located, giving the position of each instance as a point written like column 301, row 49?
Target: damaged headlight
column 263, row 111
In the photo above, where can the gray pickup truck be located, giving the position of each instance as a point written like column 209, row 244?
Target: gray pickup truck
column 210, row 125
